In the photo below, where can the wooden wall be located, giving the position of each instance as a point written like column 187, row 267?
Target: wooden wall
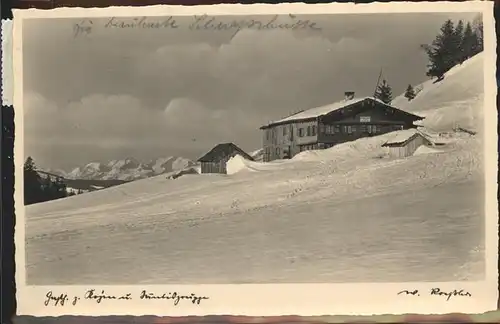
column 217, row 166
column 213, row 167
column 408, row 149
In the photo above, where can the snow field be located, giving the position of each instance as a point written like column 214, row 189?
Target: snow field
column 348, row 213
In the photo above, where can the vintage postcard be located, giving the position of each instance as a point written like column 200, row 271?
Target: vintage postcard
column 287, row 159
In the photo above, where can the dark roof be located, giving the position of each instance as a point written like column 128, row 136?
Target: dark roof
column 223, row 150
column 332, row 109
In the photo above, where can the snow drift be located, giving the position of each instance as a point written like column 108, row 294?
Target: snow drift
column 238, row 163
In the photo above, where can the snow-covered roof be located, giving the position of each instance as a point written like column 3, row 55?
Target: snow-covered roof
column 323, row 110
column 404, row 135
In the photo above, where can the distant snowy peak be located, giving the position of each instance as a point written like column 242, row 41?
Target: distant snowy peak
column 129, row 169
column 128, row 163
column 89, row 171
column 170, row 163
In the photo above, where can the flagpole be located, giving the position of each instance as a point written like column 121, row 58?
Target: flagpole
column 378, row 81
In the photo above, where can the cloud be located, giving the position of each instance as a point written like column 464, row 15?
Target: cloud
column 122, row 123
column 267, row 71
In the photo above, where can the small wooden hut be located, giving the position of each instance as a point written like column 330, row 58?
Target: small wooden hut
column 216, row 159
column 405, row 143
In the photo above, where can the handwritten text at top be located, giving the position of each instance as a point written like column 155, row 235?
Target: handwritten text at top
column 197, row 23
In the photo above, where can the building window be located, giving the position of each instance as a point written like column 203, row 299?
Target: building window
column 327, row 129
column 278, row 151
column 284, row 130
column 314, row 130
column 301, row 132
column 308, row 130
column 307, row 147
column 322, row 129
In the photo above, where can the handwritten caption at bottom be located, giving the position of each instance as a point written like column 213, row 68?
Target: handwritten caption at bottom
column 437, row 292
column 63, row 299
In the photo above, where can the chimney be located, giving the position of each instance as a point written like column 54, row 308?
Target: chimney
column 349, row 95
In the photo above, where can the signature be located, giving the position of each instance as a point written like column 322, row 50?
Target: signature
column 438, row 292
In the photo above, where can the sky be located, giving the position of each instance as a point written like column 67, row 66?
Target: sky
column 112, row 93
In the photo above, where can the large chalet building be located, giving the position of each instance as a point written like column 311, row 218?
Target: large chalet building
column 326, row 126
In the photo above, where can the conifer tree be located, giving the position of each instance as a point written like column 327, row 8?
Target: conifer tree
column 477, row 27
column 39, row 189
column 410, row 93
column 59, row 189
column 443, row 51
column 458, row 36
column 384, row 92
column 32, row 183
column 468, row 42
column 453, row 46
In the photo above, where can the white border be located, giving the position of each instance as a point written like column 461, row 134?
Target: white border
column 7, row 70
column 271, row 299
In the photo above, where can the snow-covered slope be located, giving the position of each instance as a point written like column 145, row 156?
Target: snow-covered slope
column 345, row 214
column 129, row 169
column 456, row 101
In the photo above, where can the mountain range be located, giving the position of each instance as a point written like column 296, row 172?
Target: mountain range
column 128, row 169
